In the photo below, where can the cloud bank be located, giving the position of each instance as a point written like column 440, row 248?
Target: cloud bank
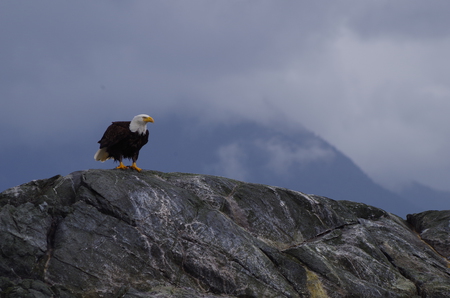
column 371, row 77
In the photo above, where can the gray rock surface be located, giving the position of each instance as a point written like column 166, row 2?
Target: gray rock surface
column 114, row 233
column 434, row 228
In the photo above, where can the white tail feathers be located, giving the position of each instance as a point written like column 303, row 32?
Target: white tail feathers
column 101, row 155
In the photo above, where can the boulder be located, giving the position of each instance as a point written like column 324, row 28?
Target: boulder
column 120, row 233
column 434, row 228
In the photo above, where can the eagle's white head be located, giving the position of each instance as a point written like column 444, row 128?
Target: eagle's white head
column 139, row 123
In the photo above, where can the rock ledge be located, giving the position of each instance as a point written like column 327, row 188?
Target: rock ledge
column 113, row 233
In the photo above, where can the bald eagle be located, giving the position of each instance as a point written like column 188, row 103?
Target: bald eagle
column 124, row 139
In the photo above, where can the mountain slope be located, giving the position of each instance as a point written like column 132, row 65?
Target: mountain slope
column 295, row 159
column 292, row 158
column 431, row 199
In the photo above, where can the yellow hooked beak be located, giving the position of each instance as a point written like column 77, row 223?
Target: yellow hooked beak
column 148, row 119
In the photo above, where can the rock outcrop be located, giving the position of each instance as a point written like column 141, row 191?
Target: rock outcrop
column 113, row 233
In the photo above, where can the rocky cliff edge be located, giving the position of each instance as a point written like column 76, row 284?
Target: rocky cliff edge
column 114, row 233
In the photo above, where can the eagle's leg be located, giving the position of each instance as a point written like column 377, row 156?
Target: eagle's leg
column 135, row 167
column 121, row 166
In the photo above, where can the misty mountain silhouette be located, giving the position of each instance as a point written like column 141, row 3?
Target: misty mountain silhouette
column 294, row 159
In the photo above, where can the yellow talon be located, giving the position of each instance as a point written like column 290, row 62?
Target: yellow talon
column 135, row 167
column 121, row 166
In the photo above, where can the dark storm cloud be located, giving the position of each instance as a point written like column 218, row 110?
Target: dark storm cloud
column 79, row 58
column 371, row 77
column 402, row 19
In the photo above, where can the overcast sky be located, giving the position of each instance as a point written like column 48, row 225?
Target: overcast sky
column 370, row 77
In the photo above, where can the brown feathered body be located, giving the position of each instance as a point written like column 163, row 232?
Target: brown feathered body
column 120, row 142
